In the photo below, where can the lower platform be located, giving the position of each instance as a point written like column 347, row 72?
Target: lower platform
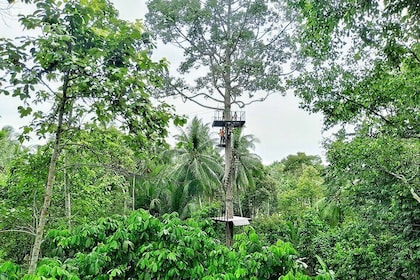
column 236, row 220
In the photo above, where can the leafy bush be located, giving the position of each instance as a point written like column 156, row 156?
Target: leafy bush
column 9, row 271
column 141, row 246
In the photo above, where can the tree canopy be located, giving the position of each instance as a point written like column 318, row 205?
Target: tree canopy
column 242, row 48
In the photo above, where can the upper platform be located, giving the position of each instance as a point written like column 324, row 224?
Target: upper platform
column 237, row 119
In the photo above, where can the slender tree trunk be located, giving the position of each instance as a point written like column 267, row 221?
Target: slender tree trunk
column 248, row 200
column 50, row 181
column 67, row 200
column 133, row 192
column 126, row 194
column 240, row 207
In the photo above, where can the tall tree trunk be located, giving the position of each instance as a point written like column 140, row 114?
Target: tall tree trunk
column 228, row 176
column 228, row 148
column 50, row 181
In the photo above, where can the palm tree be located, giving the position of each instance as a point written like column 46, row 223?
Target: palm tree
column 196, row 168
column 247, row 164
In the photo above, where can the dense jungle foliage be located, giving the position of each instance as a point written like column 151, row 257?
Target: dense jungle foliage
column 107, row 198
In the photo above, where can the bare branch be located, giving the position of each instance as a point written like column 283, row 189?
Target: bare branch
column 242, row 28
column 277, row 36
column 406, row 182
column 17, row 230
column 416, row 197
column 242, row 104
column 206, row 96
column 41, row 80
column 195, row 101
column 214, row 79
column 191, row 42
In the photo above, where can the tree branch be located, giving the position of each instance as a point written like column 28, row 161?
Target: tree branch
column 366, row 108
column 412, row 53
column 214, row 78
column 406, row 182
column 276, row 37
column 205, row 97
column 415, row 196
column 191, row 98
column 242, row 104
column 39, row 74
column 17, row 230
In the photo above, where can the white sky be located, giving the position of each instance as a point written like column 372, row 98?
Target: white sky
column 278, row 123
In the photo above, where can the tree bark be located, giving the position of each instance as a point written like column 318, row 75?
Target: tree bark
column 126, row 195
column 50, row 181
column 67, row 198
column 133, row 193
column 67, row 202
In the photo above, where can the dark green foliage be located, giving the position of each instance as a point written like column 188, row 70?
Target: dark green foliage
column 143, row 247
column 299, row 184
column 302, row 232
column 274, row 227
column 366, row 68
column 365, row 78
column 367, row 226
column 384, row 219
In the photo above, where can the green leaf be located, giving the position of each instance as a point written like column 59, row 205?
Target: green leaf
column 24, row 111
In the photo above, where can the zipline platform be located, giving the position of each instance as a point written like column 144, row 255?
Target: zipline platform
column 236, row 220
column 237, row 119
